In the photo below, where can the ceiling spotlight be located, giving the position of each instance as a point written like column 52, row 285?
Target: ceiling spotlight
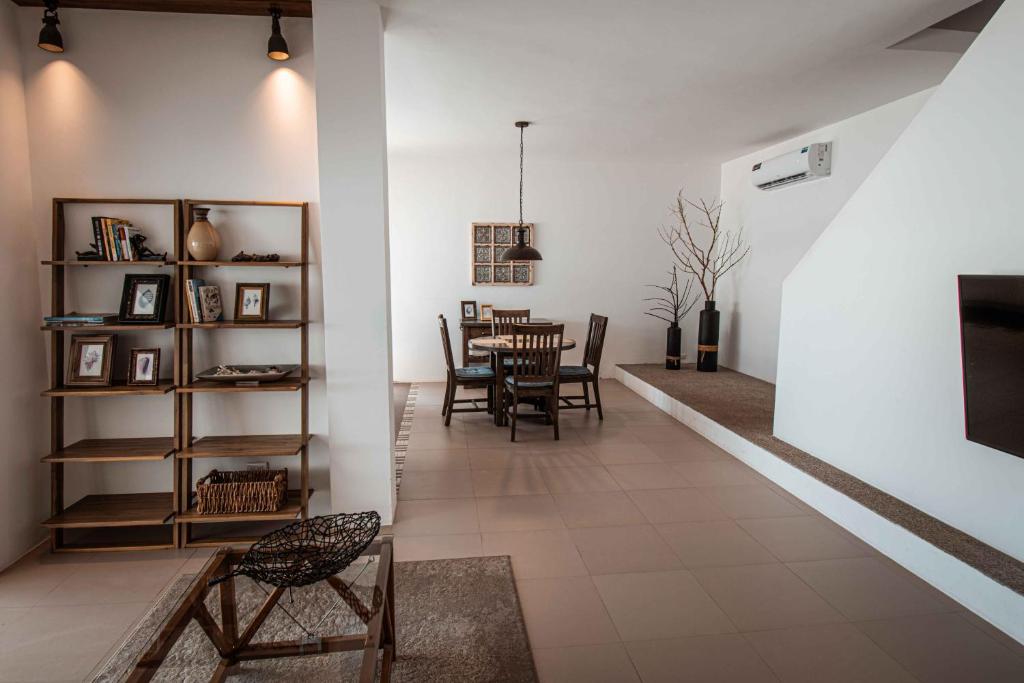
column 277, row 46
column 50, row 38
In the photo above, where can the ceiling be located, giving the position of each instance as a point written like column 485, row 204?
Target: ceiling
column 663, row 80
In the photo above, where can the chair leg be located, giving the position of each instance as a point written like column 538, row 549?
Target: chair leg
column 554, row 417
column 597, row 397
column 515, row 414
column 586, row 396
column 449, row 401
column 447, row 390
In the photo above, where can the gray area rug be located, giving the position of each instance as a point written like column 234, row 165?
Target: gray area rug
column 457, row 620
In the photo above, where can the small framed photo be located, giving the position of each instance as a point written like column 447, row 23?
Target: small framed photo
column 145, row 367
column 252, row 301
column 144, row 298
column 91, row 360
column 486, row 313
column 468, row 310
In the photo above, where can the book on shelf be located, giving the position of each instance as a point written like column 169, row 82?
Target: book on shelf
column 113, row 238
column 83, row 319
column 209, row 303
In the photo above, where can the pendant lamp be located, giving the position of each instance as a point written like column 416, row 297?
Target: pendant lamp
column 521, row 252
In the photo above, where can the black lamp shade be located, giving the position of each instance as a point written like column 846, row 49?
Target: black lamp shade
column 277, row 46
column 518, row 253
column 521, row 252
column 50, row 38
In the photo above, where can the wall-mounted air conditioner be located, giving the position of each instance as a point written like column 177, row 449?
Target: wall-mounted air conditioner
column 807, row 163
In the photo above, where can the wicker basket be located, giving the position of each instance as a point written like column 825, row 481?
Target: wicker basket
column 241, row 491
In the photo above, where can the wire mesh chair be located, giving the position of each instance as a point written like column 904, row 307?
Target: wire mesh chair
column 308, row 551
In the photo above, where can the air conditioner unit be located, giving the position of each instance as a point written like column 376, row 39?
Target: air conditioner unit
column 807, row 163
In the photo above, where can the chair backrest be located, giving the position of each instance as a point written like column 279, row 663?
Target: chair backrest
column 595, row 341
column 503, row 320
column 446, row 343
column 536, row 352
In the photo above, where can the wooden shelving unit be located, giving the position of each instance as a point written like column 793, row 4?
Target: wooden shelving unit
column 101, row 516
column 244, row 527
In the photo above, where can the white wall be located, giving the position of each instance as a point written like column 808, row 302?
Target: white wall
column 179, row 105
column 869, row 364
column 353, row 182
column 782, row 224
column 23, row 490
column 596, row 228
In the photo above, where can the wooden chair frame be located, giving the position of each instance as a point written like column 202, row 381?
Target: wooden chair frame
column 453, row 382
column 591, row 357
column 235, row 646
column 536, row 354
column 503, row 319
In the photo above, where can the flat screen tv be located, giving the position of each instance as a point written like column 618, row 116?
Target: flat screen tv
column 992, row 347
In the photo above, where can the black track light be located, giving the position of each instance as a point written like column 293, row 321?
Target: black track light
column 50, row 38
column 277, row 46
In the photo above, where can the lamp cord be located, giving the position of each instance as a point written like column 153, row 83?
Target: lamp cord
column 521, row 176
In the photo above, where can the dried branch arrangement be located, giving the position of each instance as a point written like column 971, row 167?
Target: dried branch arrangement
column 674, row 304
column 723, row 252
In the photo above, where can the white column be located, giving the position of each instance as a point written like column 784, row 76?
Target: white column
column 352, row 144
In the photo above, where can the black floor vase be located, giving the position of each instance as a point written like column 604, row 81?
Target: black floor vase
column 673, row 347
column 707, row 339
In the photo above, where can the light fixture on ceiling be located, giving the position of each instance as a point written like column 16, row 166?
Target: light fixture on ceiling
column 277, row 46
column 50, row 38
column 521, row 252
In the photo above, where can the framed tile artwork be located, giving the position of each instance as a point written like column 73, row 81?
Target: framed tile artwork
column 488, row 242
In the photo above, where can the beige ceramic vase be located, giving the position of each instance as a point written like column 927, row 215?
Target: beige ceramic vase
column 203, row 240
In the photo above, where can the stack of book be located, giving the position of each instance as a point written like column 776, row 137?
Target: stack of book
column 80, row 319
column 204, row 304
column 113, row 238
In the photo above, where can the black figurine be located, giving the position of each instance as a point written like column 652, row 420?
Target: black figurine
column 91, row 255
column 143, row 252
column 262, row 258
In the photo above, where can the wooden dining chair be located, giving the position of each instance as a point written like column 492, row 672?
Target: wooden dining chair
column 589, row 372
column 476, row 377
column 536, row 355
column 503, row 320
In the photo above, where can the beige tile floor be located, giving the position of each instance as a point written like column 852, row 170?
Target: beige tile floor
column 641, row 552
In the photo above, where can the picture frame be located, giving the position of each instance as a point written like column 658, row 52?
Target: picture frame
column 91, row 360
column 486, row 313
column 144, row 298
column 144, row 367
column 488, row 243
column 468, row 310
column 252, row 301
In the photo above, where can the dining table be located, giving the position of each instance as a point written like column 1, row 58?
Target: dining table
column 500, row 347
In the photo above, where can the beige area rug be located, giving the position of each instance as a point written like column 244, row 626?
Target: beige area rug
column 457, row 620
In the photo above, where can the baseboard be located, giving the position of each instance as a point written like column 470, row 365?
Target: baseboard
column 989, row 599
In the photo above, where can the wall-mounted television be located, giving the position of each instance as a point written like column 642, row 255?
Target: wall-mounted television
column 992, row 348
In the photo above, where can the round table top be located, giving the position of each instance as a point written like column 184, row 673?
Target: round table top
column 503, row 343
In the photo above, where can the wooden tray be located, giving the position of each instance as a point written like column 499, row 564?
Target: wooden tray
column 263, row 373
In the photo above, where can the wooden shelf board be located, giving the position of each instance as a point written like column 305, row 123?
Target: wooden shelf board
column 119, row 388
column 124, row 509
column 209, row 386
column 243, row 264
column 291, row 510
column 112, row 327
column 86, row 264
column 261, row 446
column 114, row 450
column 243, row 325
column 117, row 539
